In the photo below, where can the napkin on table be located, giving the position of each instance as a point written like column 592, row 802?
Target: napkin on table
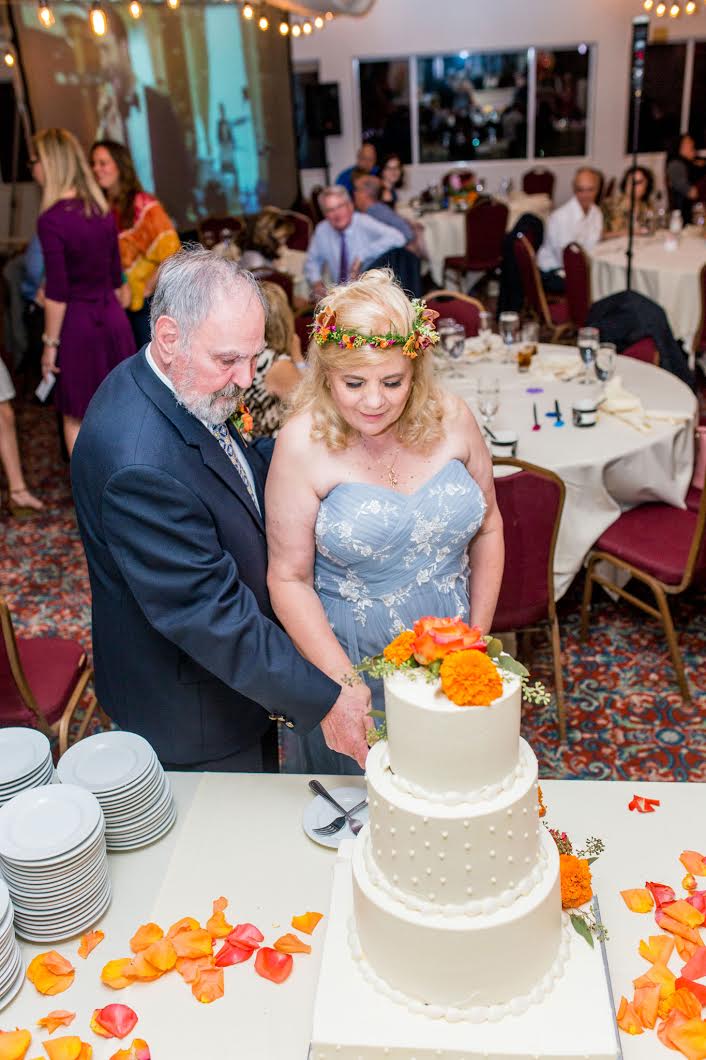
column 561, row 366
column 624, row 405
column 485, row 342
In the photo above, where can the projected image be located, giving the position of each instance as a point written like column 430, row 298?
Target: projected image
column 201, row 98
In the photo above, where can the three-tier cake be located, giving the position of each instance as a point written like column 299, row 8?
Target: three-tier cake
column 446, row 936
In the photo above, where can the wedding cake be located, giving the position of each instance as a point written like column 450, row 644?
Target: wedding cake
column 446, row 936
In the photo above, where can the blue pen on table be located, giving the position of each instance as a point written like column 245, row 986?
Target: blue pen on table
column 557, row 412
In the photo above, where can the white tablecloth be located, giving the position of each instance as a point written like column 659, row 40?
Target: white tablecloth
column 240, row 835
column 670, row 278
column 607, row 468
column 444, row 232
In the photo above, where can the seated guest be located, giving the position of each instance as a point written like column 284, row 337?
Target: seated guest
column 365, row 160
column 277, row 372
column 617, row 209
column 392, row 174
column 270, row 232
column 367, row 193
column 578, row 221
column 684, row 171
column 345, row 242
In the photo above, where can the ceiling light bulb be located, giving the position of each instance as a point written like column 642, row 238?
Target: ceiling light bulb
column 648, row 4
column 45, row 14
column 328, row 16
column 98, row 20
column 248, row 11
column 135, row 9
column 660, row 9
column 674, row 11
column 319, row 22
column 8, row 58
column 306, row 28
column 284, row 28
column 296, row 30
column 173, row 4
column 263, row 22
column 690, row 7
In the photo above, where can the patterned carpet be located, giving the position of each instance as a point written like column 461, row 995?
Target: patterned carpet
column 626, row 718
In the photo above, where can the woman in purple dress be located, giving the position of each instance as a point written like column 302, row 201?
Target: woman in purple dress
column 86, row 330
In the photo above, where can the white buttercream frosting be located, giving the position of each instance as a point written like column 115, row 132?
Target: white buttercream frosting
column 459, row 798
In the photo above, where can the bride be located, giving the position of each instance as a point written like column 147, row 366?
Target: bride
column 380, row 500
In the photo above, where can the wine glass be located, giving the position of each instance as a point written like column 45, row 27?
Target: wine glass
column 605, row 361
column 453, row 339
column 509, row 328
column 488, row 399
column 588, row 343
column 485, row 321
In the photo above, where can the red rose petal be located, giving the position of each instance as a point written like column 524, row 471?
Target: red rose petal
column 273, row 965
column 246, row 935
column 117, row 1019
column 229, row 955
column 661, row 893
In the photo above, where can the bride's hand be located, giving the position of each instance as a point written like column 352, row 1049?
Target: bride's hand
column 347, row 722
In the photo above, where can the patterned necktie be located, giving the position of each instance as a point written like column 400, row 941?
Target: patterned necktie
column 343, row 269
column 225, row 440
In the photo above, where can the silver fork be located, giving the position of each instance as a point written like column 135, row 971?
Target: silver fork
column 338, row 822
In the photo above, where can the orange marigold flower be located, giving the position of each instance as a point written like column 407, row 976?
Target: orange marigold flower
column 575, row 881
column 542, row 807
column 470, row 679
column 401, row 648
column 348, row 341
column 247, row 422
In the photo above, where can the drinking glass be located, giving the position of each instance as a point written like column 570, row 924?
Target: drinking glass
column 485, row 320
column 488, row 399
column 698, row 215
column 588, row 343
column 453, row 340
column 605, row 361
column 509, row 328
column 480, row 186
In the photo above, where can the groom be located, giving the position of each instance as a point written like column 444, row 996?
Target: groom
column 169, row 502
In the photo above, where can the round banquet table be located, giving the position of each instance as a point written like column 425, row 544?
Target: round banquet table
column 444, row 231
column 607, row 468
column 668, row 277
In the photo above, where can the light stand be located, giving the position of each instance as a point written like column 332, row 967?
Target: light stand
column 640, row 33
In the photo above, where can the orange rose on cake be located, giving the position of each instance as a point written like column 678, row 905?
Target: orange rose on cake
column 435, row 638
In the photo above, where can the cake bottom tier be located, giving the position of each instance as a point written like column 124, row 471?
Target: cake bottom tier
column 355, row 1020
column 511, row 955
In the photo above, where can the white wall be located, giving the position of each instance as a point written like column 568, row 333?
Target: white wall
column 408, row 27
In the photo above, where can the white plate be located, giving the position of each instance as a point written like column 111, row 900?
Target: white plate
column 55, row 897
column 48, row 824
column 7, row 981
column 319, row 812
column 143, row 818
column 14, row 990
column 136, row 844
column 106, row 762
column 138, row 804
column 60, row 934
column 22, row 751
column 146, row 781
column 30, row 780
column 4, row 902
column 42, row 922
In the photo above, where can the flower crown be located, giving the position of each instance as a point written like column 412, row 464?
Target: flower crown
column 423, row 334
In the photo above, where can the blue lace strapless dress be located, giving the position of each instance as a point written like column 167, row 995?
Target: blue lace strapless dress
column 383, row 560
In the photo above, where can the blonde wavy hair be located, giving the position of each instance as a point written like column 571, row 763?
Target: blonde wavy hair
column 371, row 305
column 67, row 170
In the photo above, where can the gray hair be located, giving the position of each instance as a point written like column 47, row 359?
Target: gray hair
column 190, row 281
column 333, row 191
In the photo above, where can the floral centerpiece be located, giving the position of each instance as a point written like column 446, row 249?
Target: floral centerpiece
column 461, row 189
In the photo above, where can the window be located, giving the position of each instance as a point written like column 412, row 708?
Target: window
column 384, row 106
column 660, row 114
column 472, row 105
column 697, row 112
column 562, row 102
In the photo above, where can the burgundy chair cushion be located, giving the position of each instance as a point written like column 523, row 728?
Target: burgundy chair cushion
column 528, row 504
column 656, row 538
column 465, row 313
column 282, row 279
column 643, row 350
column 538, row 182
column 52, row 667
column 301, row 236
column 485, row 231
column 530, row 278
column 559, row 312
column 693, row 499
column 578, row 284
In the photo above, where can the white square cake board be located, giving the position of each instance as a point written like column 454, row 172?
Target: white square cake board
column 354, row 1022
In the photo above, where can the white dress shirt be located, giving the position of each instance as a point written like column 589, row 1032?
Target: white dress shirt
column 366, row 239
column 569, row 224
column 239, row 456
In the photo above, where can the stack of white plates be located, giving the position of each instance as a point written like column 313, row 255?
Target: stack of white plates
column 11, row 966
column 53, row 858
column 25, row 762
column 125, row 775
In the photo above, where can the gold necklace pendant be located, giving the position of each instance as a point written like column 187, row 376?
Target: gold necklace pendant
column 392, row 478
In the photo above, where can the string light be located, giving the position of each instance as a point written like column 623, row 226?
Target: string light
column 660, row 9
column 248, row 11
column 296, row 30
column 173, row 4
column 45, row 14
column 284, row 28
column 97, row 18
column 8, row 57
column 306, row 28
column 135, row 9
column 328, row 16
column 319, row 22
column 263, row 22
column 648, row 4
column 674, row 11
column 690, row 7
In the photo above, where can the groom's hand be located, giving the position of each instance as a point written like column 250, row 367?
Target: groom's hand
column 347, row 722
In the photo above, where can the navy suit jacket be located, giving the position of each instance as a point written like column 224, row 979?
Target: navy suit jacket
column 187, row 650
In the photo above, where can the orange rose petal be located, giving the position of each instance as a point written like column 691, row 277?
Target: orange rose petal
column 86, row 1052
column 60, row 1017
column 697, row 991
column 187, row 923
column 657, row 949
column 668, row 923
column 139, row 1050
column 695, row 968
column 96, row 1027
column 196, row 943
column 660, row 975
column 50, row 973
column 217, row 925
column 113, row 974
column 693, row 862
column 291, row 944
column 14, row 1044
column 140, row 969
column 189, row 967
column 273, row 965
column 145, row 936
column 68, row 1048
column 638, row 900
column 685, row 913
column 627, row 1019
column 113, row 1021
column 646, row 1003
column 686, row 950
column 306, row 922
column 89, row 941
column 690, row 1039
column 161, row 955
column 668, row 1026
column 208, row 985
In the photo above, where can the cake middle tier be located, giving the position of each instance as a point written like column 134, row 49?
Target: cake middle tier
column 470, row 857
